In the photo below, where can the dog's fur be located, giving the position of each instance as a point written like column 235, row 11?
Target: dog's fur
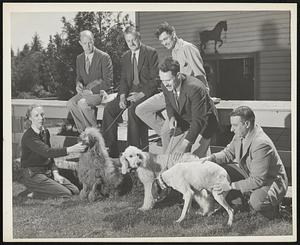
column 148, row 166
column 97, row 172
column 193, row 180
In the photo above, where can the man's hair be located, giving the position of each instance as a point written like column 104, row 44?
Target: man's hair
column 132, row 30
column 245, row 113
column 29, row 110
column 169, row 64
column 164, row 27
column 87, row 33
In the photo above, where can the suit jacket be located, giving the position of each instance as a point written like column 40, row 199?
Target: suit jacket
column 100, row 73
column 147, row 68
column 260, row 161
column 196, row 111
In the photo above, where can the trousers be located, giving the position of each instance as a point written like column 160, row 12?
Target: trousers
column 265, row 199
column 147, row 112
column 83, row 110
column 200, row 148
column 44, row 186
column 137, row 130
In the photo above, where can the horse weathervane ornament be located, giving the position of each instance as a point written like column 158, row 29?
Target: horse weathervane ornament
column 214, row 34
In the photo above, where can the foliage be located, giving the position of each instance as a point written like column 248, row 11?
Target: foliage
column 51, row 71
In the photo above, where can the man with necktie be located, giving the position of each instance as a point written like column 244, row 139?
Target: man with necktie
column 139, row 73
column 94, row 75
column 191, row 64
column 191, row 112
column 258, row 171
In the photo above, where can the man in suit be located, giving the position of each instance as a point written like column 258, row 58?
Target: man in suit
column 259, row 171
column 191, row 64
column 139, row 71
column 191, row 112
column 94, row 75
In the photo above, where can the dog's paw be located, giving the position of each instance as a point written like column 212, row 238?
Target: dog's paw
column 144, row 208
column 179, row 220
column 200, row 213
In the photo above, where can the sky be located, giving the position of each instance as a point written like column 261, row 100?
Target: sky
column 25, row 25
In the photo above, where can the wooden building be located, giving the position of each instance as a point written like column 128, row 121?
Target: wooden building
column 254, row 62
column 255, row 58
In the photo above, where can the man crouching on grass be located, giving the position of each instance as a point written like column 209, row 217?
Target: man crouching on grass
column 259, row 170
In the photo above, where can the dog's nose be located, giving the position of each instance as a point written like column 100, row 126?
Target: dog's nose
column 138, row 164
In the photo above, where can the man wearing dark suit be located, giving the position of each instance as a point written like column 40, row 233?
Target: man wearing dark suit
column 94, row 75
column 192, row 113
column 139, row 71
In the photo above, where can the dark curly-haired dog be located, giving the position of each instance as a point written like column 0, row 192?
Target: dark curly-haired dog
column 99, row 174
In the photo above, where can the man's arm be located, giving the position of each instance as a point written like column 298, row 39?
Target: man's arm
column 261, row 160
column 199, row 112
column 123, row 80
column 169, row 108
column 105, row 82
column 227, row 155
column 194, row 59
column 151, row 85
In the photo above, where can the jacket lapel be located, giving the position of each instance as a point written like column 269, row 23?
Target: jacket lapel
column 129, row 65
column 248, row 141
column 142, row 57
column 182, row 96
column 94, row 60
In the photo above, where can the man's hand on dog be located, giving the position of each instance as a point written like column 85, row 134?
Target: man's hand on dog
column 78, row 148
column 222, row 187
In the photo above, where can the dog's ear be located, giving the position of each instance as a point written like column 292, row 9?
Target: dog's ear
column 144, row 156
column 124, row 164
column 92, row 141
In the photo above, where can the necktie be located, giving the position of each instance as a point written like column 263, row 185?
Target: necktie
column 87, row 65
column 176, row 98
column 42, row 135
column 241, row 150
column 135, row 71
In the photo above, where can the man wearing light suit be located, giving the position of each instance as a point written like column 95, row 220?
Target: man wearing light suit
column 139, row 72
column 94, row 75
column 259, row 171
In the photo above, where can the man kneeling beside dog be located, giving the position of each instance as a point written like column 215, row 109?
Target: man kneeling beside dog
column 249, row 166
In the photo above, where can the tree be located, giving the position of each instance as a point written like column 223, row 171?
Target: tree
column 36, row 44
column 42, row 72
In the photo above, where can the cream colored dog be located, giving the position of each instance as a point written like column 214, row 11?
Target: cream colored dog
column 148, row 167
column 193, row 180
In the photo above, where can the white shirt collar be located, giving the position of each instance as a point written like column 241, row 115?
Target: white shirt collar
column 89, row 56
column 36, row 129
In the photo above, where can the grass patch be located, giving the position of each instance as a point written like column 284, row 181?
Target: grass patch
column 120, row 217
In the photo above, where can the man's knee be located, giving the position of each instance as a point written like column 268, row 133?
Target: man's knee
column 258, row 200
column 83, row 105
column 71, row 103
column 139, row 110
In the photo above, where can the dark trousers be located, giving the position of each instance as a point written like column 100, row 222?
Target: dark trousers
column 137, row 130
column 260, row 199
column 44, row 186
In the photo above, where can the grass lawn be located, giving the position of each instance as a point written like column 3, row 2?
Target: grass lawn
column 119, row 217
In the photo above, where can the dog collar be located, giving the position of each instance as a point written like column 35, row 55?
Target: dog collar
column 161, row 182
column 131, row 169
